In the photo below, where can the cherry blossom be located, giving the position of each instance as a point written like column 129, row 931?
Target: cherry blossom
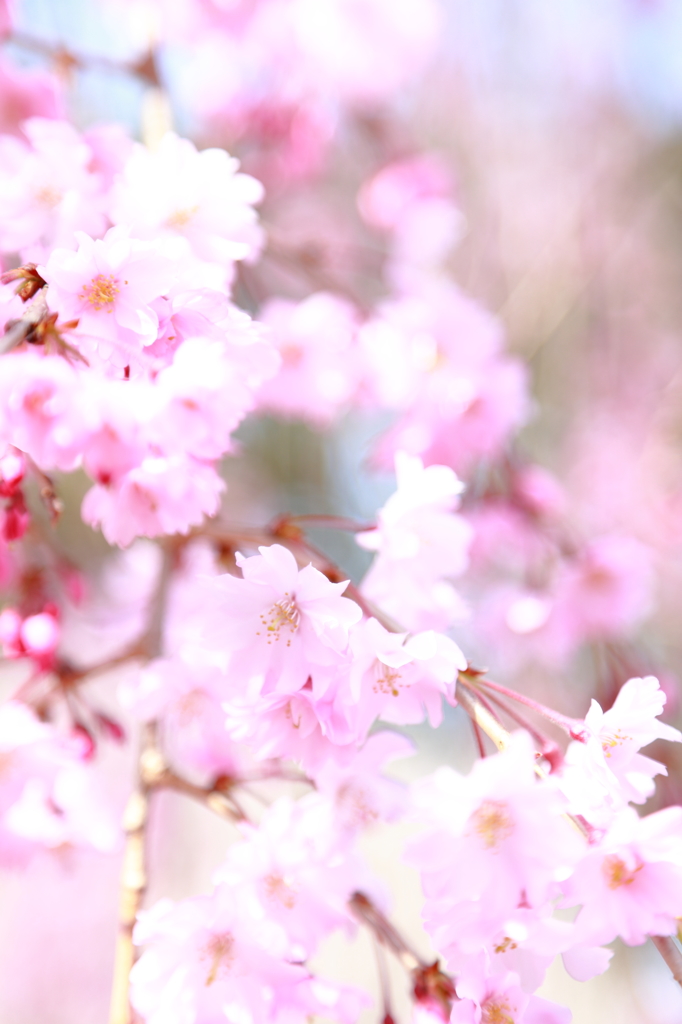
column 109, row 285
column 47, row 190
column 630, row 883
column 508, row 834
column 153, row 325
column 420, row 539
column 398, row 679
column 293, row 871
column 198, row 196
column 161, row 495
column 320, row 370
column 281, row 625
column 606, row 770
column 204, row 961
column 47, row 797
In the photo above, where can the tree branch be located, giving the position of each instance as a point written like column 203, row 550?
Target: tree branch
column 134, row 871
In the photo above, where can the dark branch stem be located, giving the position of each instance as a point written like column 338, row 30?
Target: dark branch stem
column 670, row 952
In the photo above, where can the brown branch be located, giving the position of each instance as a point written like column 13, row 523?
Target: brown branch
column 369, row 914
column 670, row 952
column 157, row 775
column 327, row 521
column 67, row 60
column 133, row 885
column 134, row 871
column 47, row 491
column 429, row 983
column 21, row 329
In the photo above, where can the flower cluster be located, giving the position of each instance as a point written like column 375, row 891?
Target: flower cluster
column 148, row 311
column 525, row 845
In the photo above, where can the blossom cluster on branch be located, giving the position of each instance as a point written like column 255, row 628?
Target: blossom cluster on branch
column 143, row 323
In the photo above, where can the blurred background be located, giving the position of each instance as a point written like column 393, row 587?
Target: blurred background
column 559, row 127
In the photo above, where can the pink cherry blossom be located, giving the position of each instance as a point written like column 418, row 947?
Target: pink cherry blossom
column 294, row 871
column 206, row 392
column 280, row 624
column 421, row 541
column 188, row 699
column 47, row 190
column 385, row 197
column 630, row 883
column 47, row 796
column 500, row 998
column 109, row 285
column 26, row 94
column 606, row 771
column 297, row 726
column 399, row 679
column 319, row 372
column 507, row 833
column 161, row 495
column 360, row 794
column 32, row 636
column 43, row 410
column 205, row 962
column 199, row 196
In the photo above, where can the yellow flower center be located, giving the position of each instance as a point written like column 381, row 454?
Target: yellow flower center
column 617, row 872
column 181, row 218
column 101, row 292
column 284, row 615
column 496, row 1012
column 387, row 680
column 492, row 822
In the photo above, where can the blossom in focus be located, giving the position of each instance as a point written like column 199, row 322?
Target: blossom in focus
column 109, row 285
column 279, row 624
column 399, row 679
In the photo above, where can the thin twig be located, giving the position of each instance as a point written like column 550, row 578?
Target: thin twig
column 369, row 914
column 482, row 717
